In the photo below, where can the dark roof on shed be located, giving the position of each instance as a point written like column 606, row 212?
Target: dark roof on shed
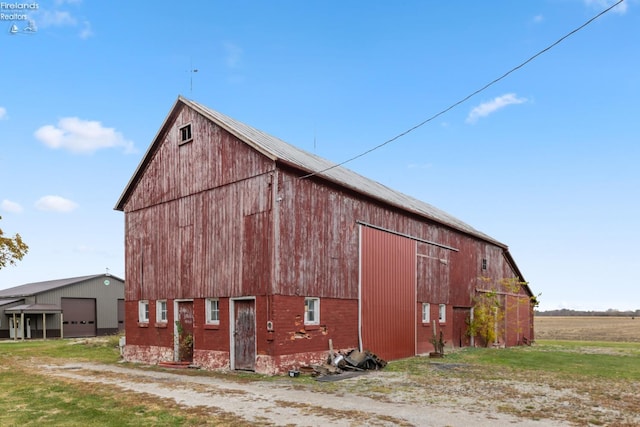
column 285, row 153
column 39, row 287
column 33, row 308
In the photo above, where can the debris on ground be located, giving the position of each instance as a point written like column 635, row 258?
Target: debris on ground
column 349, row 361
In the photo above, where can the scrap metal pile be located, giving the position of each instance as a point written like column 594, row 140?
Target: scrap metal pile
column 351, row 361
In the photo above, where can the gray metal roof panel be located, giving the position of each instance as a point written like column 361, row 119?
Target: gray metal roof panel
column 277, row 149
column 39, row 287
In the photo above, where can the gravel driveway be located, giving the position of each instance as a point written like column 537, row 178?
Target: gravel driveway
column 288, row 401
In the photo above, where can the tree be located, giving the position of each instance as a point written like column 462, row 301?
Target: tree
column 12, row 249
column 487, row 317
column 489, row 310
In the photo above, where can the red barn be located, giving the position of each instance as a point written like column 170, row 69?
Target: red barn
column 236, row 258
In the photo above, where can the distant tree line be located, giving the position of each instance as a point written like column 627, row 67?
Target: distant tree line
column 610, row 313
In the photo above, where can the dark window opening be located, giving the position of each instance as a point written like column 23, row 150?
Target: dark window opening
column 185, row 134
column 484, row 263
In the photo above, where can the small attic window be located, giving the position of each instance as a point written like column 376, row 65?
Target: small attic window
column 185, row 134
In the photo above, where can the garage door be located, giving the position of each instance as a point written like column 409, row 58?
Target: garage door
column 79, row 317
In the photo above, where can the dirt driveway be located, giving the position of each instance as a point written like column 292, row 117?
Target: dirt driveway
column 376, row 399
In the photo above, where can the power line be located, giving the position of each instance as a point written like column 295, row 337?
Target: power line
column 466, row 98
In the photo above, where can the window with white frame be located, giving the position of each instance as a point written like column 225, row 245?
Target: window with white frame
column 213, row 311
column 143, row 311
column 161, row 311
column 312, row 311
column 426, row 312
column 442, row 313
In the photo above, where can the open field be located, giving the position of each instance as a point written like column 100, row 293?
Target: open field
column 552, row 383
column 587, row 328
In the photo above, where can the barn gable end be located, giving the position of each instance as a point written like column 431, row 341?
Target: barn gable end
column 221, row 220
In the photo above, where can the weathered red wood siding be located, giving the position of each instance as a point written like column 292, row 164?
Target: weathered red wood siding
column 192, row 221
column 204, row 220
column 318, row 234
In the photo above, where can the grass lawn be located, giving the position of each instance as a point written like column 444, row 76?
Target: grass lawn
column 28, row 398
column 599, row 382
column 591, row 360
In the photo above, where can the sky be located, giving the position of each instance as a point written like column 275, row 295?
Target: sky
column 544, row 160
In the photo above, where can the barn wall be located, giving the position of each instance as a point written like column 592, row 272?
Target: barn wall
column 214, row 218
column 322, row 253
column 290, row 344
column 201, row 245
column 187, row 219
column 213, row 158
column 338, row 322
column 318, row 233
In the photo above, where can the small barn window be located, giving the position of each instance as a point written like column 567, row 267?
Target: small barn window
column 213, row 311
column 161, row 311
column 484, row 263
column 185, row 134
column 426, row 312
column 311, row 311
column 143, row 311
column 442, row 313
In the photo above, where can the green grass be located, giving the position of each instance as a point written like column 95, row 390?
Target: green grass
column 31, row 398
column 37, row 400
column 97, row 350
column 566, row 358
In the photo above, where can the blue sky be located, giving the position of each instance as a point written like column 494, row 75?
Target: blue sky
column 546, row 160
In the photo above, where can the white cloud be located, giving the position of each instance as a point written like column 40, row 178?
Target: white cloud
column 9, row 206
column 538, row 19
column 604, row 4
column 81, row 136
column 55, row 18
column 55, row 204
column 486, row 108
column 234, row 54
column 3, row 113
column 86, row 30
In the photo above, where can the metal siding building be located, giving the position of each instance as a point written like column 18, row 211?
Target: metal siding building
column 88, row 305
column 218, row 210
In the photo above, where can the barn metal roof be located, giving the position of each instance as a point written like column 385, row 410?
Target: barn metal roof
column 39, row 287
column 308, row 163
column 279, row 150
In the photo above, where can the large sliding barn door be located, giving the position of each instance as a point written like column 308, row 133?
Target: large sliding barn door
column 387, row 294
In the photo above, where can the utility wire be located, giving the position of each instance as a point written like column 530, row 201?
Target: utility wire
column 466, row 98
